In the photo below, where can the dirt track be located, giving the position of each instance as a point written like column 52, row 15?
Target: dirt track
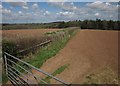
column 86, row 52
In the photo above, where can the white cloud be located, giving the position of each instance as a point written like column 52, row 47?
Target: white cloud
column 72, row 3
column 58, row 0
column 67, row 13
column 47, row 13
column 108, row 4
column 113, row 0
column 117, row 6
column 25, row 7
column 111, row 16
column 20, row 12
column 97, row 14
column 1, row 6
column 66, row 6
column 14, row 4
column 96, row 4
column 35, row 6
column 15, row 0
column 99, row 5
column 21, row 4
column 6, row 11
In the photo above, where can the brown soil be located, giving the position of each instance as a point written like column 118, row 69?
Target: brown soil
column 86, row 52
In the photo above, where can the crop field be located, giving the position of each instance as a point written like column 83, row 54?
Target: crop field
column 22, row 39
column 19, row 34
column 17, row 41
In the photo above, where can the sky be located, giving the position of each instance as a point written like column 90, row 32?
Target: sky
column 54, row 10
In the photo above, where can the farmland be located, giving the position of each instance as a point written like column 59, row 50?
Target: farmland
column 28, row 41
column 59, row 42
column 20, row 42
column 63, row 42
column 17, row 34
column 91, row 56
column 23, row 39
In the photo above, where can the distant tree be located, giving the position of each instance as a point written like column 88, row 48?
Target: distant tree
column 91, row 24
column 110, row 24
column 62, row 25
column 116, row 25
column 105, row 24
column 84, row 24
column 99, row 24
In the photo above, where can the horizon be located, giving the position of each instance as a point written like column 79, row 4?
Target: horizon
column 47, row 12
column 58, row 22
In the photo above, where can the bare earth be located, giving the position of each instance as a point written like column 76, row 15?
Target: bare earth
column 85, row 53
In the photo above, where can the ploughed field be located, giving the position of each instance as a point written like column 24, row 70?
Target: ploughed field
column 89, row 51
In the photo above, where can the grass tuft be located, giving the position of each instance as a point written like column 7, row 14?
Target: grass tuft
column 58, row 71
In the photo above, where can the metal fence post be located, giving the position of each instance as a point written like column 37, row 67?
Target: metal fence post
column 6, row 64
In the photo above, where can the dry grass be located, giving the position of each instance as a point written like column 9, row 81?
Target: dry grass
column 20, row 34
column 21, row 39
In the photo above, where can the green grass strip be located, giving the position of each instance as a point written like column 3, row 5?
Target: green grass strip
column 58, row 71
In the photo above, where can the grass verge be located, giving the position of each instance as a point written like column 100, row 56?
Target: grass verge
column 47, row 52
column 58, row 71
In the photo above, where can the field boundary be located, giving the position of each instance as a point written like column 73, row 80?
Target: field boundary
column 43, row 43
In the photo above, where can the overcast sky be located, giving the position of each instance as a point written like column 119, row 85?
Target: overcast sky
column 50, row 11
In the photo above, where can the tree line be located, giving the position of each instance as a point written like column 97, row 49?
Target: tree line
column 86, row 24
column 92, row 24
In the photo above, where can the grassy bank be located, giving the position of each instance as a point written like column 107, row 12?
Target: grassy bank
column 49, row 51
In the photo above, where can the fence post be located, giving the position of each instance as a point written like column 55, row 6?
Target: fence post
column 6, row 64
